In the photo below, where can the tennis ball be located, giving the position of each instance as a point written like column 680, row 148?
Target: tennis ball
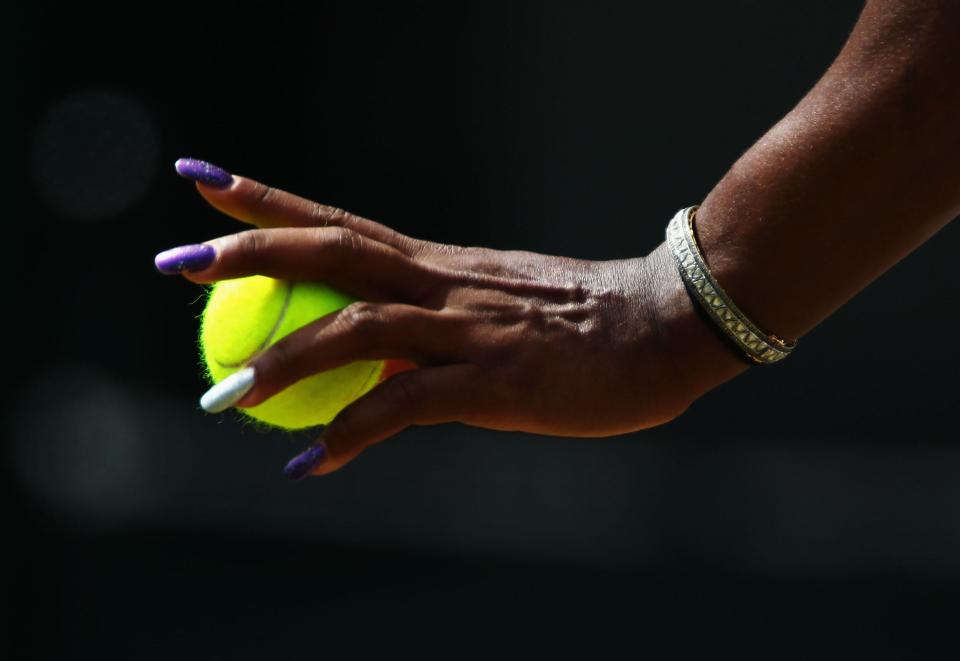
column 244, row 316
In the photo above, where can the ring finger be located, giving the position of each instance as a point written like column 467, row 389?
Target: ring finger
column 361, row 331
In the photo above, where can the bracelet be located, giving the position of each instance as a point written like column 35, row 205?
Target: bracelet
column 761, row 348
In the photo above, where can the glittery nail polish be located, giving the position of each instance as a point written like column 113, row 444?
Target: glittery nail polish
column 206, row 173
column 306, row 461
column 194, row 257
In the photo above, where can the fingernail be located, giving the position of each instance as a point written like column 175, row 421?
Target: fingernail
column 228, row 392
column 306, row 461
column 194, row 257
column 206, row 173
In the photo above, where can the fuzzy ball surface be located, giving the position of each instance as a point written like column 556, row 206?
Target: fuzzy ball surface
column 245, row 316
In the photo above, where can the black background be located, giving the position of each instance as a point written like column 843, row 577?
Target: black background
column 808, row 509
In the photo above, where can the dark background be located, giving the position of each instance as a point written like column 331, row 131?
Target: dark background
column 811, row 509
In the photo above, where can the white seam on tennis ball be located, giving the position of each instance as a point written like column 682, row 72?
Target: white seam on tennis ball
column 273, row 331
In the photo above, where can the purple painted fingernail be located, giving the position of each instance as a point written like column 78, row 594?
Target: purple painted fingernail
column 185, row 258
column 306, row 461
column 205, row 173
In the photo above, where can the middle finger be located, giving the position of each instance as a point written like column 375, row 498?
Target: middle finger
column 339, row 257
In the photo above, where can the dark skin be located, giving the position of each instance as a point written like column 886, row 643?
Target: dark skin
column 507, row 340
column 861, row 172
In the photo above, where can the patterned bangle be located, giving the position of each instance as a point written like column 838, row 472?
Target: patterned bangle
column 761, row 348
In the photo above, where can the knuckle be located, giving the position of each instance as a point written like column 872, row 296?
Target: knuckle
column 340, row 240
column 263, row 194
column 351, row 240
column 327, row 216
column 251, row 243
column 362, row 317
column 339, row 217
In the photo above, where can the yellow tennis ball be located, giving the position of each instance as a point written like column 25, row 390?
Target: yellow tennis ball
column 246, row 315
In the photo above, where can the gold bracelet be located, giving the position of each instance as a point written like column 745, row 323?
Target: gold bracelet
column 762, row 348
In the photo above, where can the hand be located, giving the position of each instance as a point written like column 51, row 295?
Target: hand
column 506, row 340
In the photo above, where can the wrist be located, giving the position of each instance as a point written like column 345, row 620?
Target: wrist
column 701, row 357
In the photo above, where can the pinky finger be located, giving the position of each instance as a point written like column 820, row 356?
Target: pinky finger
column 424, row 396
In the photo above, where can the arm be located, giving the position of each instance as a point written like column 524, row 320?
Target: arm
column 860, row 173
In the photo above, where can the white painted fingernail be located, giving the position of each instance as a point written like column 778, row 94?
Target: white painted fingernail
column 228, row 392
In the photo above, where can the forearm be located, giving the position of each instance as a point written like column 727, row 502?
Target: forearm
column 861, row 172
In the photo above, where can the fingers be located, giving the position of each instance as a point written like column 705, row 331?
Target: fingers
column 337, row 256
column 258, row 204
column 425, row 396
column 360, row 331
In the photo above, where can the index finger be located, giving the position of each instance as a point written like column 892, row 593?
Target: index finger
column 256, row 203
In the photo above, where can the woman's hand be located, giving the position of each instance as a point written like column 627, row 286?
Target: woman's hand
column 507, row 340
